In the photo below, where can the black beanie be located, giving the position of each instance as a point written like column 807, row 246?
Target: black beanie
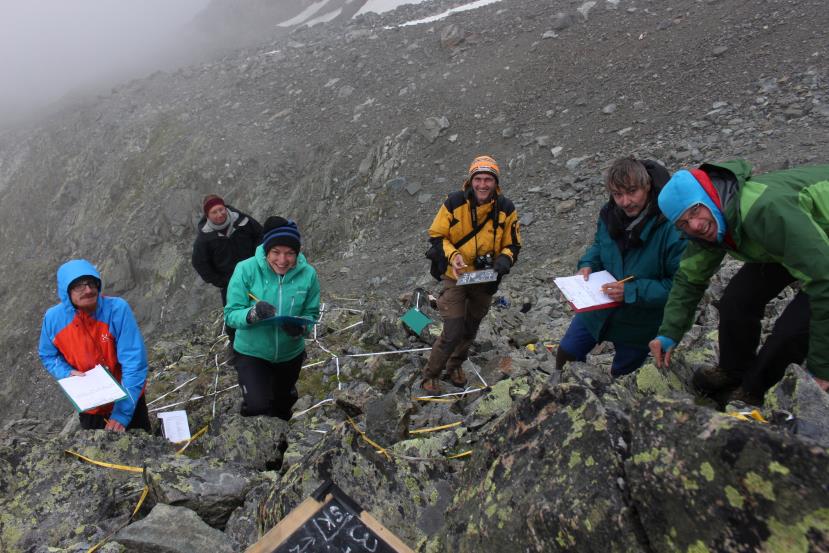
column 281, row 232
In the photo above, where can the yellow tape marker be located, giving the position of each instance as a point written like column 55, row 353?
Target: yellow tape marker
column 372, row 443
column 193, row 438
column 144, row 495
column 435, row 428
column 104, row 464
column 748, row 416
column 460, row 455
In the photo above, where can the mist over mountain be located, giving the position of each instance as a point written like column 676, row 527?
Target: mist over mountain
column 357, row 127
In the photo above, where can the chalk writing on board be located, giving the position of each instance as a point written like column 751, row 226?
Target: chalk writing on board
column 334, row 528
column 329, row 521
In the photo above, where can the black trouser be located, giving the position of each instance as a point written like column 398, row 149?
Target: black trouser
column 231, row 332
column 140, row 419
column 742, row 308
column 268, row 388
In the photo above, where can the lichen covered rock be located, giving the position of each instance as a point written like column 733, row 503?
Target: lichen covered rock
column 705, row 481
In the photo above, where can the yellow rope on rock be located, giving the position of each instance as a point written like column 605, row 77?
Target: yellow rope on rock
column 369, row 441
column 144, row 495
column 193, row 438
column 435, row 428
column 105, row 464
column 748, row 416
column 460, row 455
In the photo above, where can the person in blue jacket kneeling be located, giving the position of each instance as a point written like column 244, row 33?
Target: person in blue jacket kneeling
column 633, row 239
column 276, row 281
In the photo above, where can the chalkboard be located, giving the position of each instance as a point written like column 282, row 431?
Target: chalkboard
column 329, row 521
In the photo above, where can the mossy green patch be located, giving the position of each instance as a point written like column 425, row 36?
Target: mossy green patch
column 312, row 383
column 700, row 356
column 698, row 547
column 414, row 489
column 774, row 466
column 757, row 485
column 429, row 447
column 497, row 401
column 707, row 471
column 650, row 456
column 793, row 537
column 650, row 380
column 575, row 459
column 565, row 540
column 578, row 423
column 735, row 499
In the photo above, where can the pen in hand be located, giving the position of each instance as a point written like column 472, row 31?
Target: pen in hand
column 616, row 290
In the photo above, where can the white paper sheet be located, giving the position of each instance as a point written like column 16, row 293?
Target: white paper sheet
column 584, row 294
column 175, row 425
column 95, row 388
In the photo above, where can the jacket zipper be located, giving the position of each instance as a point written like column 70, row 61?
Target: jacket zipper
column 278, row 312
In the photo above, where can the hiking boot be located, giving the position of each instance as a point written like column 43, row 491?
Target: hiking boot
column 749, row 398
column 457, row 377
column 431, row 385
column 716, row 379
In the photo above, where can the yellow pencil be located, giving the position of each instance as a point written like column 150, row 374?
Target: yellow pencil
column 251, row 296
column 626, row 279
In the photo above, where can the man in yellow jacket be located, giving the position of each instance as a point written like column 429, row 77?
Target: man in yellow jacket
column 478, row 206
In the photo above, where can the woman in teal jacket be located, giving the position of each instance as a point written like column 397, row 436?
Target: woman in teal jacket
column 633, row 239
column 276, row 282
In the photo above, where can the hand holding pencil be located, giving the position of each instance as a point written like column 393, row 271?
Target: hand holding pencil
column 616, row 290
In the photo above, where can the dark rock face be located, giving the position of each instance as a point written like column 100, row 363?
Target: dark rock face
column 407, row 496
column 801, row 404
column 544, row 478
column 255, row 442
column 701, row 480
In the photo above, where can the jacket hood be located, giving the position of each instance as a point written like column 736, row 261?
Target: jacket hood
column 71, row 270
column 683, row 192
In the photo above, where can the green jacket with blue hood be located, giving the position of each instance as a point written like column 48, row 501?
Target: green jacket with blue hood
column 780, row 217
column 297, row 293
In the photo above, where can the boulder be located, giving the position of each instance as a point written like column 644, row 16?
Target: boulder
column 703, row 481
column 170, row 529
column 544, row 478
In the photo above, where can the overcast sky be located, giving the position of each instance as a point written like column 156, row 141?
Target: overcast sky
column 48, row 47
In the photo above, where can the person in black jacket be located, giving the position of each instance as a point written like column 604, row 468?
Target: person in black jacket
column 225, row 237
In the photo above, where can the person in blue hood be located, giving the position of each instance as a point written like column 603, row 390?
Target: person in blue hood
column 776, row 224
column 87, row 329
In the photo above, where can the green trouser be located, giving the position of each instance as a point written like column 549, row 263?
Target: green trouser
column 462, row 308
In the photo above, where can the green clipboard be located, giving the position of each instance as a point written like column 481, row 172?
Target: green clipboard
column 288, row 319
column 415, row 320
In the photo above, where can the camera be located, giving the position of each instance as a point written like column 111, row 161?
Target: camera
column 483, row 262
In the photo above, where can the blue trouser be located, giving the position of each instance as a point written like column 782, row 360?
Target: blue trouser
column 578, row 342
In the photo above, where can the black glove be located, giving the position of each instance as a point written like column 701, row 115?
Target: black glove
column 293, row 330
column 502, row 265
column 261, row 311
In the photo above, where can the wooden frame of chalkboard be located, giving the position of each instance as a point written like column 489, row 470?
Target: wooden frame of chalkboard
column 329, row 520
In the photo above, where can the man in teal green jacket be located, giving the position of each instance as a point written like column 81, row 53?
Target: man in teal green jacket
column 273, row 298
column 777, row 224
column 633, row 239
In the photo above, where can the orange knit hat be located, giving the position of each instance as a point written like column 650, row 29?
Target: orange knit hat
column 484, row 164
